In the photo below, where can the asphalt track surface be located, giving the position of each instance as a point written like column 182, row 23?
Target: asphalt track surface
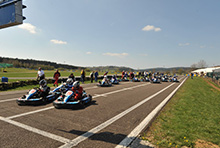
column 113, row 115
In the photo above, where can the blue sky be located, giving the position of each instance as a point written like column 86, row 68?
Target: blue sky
column 132, row 33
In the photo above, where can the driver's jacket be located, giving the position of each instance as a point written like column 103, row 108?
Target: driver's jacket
column 44, row 91
column 78, row 92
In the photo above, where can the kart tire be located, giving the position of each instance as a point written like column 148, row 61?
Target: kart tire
column 57, row 106
column 19, row 103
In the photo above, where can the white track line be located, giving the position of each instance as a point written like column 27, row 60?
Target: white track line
column 32, row 112
column 120, row 90
column 99, row 95
column 35, row 130
column 8, row 100
column 91, row 132
column 124, row 143
column 91, row 87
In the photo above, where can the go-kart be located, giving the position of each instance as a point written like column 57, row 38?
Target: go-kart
column 135, row 80
column 104, row 83
column 145, row 79
column 34, row 97
column 67, row 100
column 174, row 79
column 155, row 80
column 164, row 79
column 114, row 81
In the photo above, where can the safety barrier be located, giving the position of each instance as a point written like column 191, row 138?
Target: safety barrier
column 12, row 85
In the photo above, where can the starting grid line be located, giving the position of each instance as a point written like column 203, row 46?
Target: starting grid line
column 69, row 143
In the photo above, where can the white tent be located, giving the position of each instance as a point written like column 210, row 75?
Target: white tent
column 205, row 70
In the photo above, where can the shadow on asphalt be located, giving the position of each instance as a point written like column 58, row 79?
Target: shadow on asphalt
column 108, row 137
column 78, row 107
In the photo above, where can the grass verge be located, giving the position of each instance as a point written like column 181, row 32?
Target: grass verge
column 192, row 114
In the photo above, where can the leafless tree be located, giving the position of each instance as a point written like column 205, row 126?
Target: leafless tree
column 202, row 64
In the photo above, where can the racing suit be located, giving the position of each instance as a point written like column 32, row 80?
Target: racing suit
column 78, row 92
column 44, row 91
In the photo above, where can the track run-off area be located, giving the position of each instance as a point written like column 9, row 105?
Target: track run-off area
column 114, row 119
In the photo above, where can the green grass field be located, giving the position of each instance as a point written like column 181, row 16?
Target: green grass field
column 192, row 115
column 19, row 72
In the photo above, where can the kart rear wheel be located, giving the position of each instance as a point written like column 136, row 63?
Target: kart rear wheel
column 57, row 106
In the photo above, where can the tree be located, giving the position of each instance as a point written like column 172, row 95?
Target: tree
column 201, row 64
column 180, row 71
column 193, row 67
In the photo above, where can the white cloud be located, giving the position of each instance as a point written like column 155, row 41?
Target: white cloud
column 58, row 42
column 150, row 28
column 29, row 27
column 184, row 44
column 88, row 52
column 116, row 54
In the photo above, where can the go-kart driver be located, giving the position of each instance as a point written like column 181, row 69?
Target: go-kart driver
column 78, row 90
column 43, row 89
column 104, row 80
column 114, row 77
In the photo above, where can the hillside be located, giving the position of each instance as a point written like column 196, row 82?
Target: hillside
column 34, row 64
column 47, row 65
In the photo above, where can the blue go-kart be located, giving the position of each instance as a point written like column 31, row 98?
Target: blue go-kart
column 67, row 100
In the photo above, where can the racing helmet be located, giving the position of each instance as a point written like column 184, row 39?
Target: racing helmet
column 69, row 81
column 43, row 83
column 76, row 84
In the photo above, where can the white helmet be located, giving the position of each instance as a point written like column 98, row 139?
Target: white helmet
column 76, row 84
column 69, row 81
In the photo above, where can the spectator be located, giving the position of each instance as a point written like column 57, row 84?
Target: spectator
column 105, row 74
column 83, row 74
column 139, row 74
column 91, row 76
column 122, row 74
column 56, row 77
column 72, row 77
column 40, row 74
column 192, row 75
column 96, row 76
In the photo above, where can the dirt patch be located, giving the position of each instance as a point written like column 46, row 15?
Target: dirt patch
column 217, row 88
column 205, row 144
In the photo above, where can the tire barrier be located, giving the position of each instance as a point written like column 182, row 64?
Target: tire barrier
column 12, row 85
